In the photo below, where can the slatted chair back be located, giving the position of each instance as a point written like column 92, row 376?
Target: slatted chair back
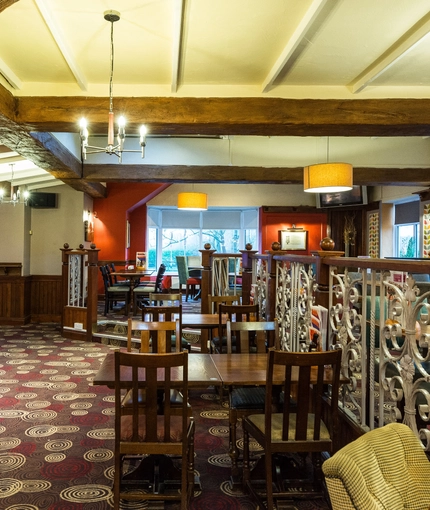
column 165, row 299
column 215, row 301
column 253, row 336
column 147, row 430
column 165, row 313
column 155, row 337
column 142, row 292
column 234, row 313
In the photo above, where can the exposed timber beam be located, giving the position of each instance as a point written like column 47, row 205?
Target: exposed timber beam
column 233, row 116
column 178, row 20
column 397, row 51
column 44, row 151
column 240, row 175
column 59, row 39
column 296, row 39
column 4, row 4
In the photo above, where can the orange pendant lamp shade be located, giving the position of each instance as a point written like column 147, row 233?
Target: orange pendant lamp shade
column 193, row 201
column 327, row 178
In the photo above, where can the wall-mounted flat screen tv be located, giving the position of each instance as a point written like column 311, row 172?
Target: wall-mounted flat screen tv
column 356, row 196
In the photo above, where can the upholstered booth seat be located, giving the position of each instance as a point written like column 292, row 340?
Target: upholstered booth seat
column 385, row 468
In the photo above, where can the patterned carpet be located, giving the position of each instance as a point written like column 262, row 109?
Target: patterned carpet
column 57, row 436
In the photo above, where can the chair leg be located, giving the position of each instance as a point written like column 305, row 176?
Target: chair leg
column 233, row 451
column 190, row 467
column 269, row 479
column 246, row 472
column 117, row 482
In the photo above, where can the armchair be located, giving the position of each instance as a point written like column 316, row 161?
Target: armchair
column 384, row 468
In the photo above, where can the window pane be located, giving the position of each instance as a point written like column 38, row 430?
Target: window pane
column 223, row 241
column 407, row 241
column 178, row 241
column 251, row 237
column 152, row 248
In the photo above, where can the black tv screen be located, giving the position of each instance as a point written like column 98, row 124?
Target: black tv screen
column 42, row 200
column 356, row 196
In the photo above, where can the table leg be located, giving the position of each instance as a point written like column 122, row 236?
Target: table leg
column 204, row 337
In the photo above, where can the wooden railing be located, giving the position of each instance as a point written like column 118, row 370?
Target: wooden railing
column 381, row 325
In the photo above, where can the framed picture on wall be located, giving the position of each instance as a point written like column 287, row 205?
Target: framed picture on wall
column 293, row 240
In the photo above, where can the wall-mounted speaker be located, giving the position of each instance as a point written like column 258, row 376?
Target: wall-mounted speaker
column 42, row 200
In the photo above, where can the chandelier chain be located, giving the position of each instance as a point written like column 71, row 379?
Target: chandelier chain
column 111, row 68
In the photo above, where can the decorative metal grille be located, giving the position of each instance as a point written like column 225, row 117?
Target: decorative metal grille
column 77, row 279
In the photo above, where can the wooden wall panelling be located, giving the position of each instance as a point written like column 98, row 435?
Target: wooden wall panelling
column 46, row 298
column 14, row 299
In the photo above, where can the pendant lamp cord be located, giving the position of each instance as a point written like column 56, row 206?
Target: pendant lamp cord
column 111, row 69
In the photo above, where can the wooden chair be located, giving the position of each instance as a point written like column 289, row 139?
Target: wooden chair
column 190, row 282
column 141, row 292
column 114, row 294
column 156, row 438
column 110, row 268
column 236, row 313
column 245, row 400
column 165, row 313
column 299, row 431
column 156, row 337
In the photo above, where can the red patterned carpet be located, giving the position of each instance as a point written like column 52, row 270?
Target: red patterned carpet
column 56, row 429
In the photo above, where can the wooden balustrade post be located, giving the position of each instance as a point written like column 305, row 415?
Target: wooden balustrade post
column 79, row 320
column 92, row 298
column 322, row 292
column 206, row 278
column 246, row 275
column 271, row 287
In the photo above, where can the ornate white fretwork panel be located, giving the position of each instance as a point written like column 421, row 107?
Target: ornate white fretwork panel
column 294, row 300
column 77, row 279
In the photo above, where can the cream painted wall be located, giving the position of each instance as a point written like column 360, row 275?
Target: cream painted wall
column 14, row 222
column 53, row 227
column 389, row 194
column 256, row 195
column 240, row 195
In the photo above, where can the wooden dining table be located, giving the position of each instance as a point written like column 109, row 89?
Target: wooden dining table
column 251, row 370
column 205, row 322
column 215, row 370
column 134, row 277
column 202, row 372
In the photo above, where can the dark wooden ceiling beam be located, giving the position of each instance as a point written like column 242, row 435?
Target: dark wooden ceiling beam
column 4, row 4
column 232, row 116
column 239, row 175
column 46, row 152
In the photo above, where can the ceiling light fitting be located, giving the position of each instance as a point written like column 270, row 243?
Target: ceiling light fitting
column 15, row 196
column 327, row 177
column 118, row 148
column 193, row 201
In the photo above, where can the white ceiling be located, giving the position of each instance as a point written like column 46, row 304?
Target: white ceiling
column 203, row 48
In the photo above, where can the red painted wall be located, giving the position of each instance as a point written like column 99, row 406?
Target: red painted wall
column 123, row 202
column 272, row 222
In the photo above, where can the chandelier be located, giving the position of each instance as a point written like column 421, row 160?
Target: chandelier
column 15, row 196
column 111, row 148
